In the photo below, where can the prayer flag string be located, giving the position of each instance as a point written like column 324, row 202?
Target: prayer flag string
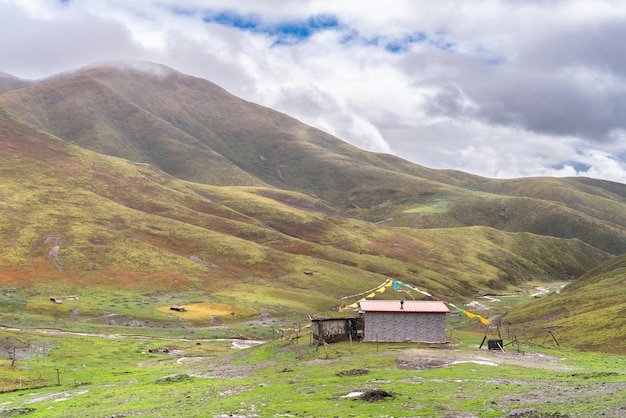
column 397, row 288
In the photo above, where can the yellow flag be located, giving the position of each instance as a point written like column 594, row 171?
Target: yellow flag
column 484, row 321
column 470, row 315
column 371, row 295
column 381, row 290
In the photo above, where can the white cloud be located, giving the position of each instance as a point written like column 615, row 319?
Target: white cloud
column 500, row 88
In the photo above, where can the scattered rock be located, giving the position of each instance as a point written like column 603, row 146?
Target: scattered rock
column 205, row 263
column 56, row 241
column 163, row 350
column 16, row 412
column 353, row 372
column 175, row 378
column 53, row 257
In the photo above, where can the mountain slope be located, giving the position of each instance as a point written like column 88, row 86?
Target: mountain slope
column 164, row 118
column 196, row 131
column 142, row 181
column 75, row 219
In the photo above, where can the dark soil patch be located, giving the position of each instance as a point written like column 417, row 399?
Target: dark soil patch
column 376, row 395
column 422, row 363
column 537, row 414
column 353, row 372
column 594, row 375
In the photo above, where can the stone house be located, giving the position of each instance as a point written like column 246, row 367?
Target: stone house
column 404, row 321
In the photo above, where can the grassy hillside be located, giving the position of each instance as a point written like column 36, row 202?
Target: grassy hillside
column 585, row 314
column 130, row 190
column 77, row 220
column 196, row 131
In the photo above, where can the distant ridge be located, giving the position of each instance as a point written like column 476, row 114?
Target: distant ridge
column 9, row 82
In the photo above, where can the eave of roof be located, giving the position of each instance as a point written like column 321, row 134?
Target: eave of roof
column 408, row 306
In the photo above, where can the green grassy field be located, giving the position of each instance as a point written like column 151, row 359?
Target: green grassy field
column 194, row 373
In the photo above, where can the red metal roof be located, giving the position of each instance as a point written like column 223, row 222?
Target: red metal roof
column 409, row 306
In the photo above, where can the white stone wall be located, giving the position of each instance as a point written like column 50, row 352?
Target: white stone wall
column 400, row 327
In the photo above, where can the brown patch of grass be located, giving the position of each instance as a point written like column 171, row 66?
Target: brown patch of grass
column 204, row 310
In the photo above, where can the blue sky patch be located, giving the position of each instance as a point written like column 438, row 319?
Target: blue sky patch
column 288, row 32
column 399, row 45
column 440, row 41
column 233, row 19
column 404, row 44
column 578, row 166
column 285, row 32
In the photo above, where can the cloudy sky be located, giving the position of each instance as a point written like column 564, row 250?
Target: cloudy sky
column 499, row 88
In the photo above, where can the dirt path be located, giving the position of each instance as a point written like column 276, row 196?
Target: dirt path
column 239, row 343
column 422, row 359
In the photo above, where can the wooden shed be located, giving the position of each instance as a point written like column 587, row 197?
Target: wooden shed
column 330, row 329
column 404, row 321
